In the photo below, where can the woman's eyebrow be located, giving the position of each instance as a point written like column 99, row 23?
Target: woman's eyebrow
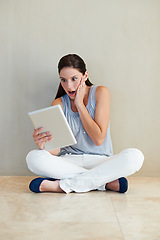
column 74, row 76
column 71, row 77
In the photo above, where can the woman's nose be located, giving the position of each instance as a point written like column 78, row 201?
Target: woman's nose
column 69, row 85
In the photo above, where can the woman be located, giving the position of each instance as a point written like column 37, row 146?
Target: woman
column 89, row 164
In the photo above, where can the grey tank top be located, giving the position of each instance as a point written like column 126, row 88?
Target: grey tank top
column 84, row 145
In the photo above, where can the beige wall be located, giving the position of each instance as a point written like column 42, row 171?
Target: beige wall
column 120, row 42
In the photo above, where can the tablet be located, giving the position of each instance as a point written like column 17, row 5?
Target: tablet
column 52, row 119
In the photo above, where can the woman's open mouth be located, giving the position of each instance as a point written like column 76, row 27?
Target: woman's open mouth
column 71, row 93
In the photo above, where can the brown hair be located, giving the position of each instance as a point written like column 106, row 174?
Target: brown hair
column 74, row 61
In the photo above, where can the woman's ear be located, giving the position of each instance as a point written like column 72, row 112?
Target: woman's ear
column 85, row 77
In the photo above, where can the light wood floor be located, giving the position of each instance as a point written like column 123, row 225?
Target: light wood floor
column 94, row 215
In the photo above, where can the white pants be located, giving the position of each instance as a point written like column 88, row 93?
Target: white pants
column 83, row 173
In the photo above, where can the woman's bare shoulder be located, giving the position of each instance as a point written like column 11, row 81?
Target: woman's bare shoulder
column 57, row 101
column 102, row 92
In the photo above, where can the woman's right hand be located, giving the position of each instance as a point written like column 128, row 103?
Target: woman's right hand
column 41, row 138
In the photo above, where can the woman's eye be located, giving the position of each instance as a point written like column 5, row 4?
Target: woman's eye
column 74, row 78
column 63, row 80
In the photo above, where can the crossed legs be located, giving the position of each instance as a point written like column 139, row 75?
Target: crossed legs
column 84, row 173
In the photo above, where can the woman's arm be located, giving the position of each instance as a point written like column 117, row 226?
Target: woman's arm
column 97, row 128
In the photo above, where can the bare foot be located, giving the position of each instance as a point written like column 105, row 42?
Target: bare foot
column 114, row 186
column 50, row 186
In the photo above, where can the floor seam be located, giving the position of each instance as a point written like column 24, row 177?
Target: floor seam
column 117, row 218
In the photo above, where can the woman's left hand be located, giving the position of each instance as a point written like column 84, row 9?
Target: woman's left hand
column 80, row 93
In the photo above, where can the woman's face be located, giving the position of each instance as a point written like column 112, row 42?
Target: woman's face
column 71, row 79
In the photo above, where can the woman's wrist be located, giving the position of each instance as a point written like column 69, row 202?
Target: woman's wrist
column 80, row 106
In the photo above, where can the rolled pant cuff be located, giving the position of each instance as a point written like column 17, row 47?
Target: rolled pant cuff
column 102, row 188
column 64, row 187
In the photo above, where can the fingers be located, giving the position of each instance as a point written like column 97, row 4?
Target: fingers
column 41, row 138
column 37, row 131
column 44, row 135
column 82, row 82
column 41, row 142
column 81, row 85
column 38, row 135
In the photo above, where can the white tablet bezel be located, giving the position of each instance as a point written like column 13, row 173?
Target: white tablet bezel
column 52, row 119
